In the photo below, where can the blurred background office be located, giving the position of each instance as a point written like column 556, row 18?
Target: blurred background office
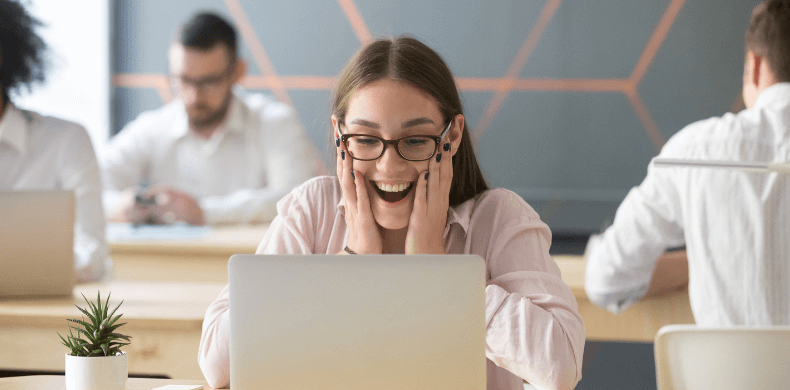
column 568, row 99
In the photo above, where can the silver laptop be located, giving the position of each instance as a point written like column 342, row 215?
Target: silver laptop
column 37, row 243
column 357, row 322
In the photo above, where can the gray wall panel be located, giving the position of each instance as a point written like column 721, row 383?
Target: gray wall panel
column 697, row 72
column 595, row 142
column 571, row 150
column 578, row 45
column 130, row 102
column 476, row 38
column 303, row 37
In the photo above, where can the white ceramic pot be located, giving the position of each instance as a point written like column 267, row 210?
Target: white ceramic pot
column 97, row 373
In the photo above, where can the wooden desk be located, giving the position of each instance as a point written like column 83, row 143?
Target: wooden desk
column 167, row 286
column 206, row 259
column 639, row 322
column 57, row 382
column 164, row 319
column 202, row 259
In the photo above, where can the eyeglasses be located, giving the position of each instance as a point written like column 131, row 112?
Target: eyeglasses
column 365, row 147
column 207, row 84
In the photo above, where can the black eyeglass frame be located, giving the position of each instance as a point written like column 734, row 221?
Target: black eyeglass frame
column 176, row 82
column 436, row 139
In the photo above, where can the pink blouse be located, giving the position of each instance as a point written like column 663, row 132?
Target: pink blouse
column 534, row 330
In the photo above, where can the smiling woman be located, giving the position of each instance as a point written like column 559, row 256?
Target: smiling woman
column 408, row 182
column 394, row 112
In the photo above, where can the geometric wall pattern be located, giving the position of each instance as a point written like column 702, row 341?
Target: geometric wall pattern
column 568, row 100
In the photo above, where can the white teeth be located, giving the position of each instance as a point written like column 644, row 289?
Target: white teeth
column 393, row 188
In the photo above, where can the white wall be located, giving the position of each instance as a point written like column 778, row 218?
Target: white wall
column 77, row 86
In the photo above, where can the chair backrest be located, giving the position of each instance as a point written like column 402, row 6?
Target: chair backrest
column 691, row 357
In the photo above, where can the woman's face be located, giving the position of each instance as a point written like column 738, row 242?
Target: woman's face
column 392, row 109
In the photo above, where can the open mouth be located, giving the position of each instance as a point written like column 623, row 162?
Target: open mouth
column 392, row 194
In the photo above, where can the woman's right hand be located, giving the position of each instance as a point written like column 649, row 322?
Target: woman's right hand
column 363, row 232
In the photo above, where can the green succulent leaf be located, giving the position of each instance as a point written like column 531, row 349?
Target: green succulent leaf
column 106, row 305
column 90, row 305
column 88, row 335
column 87, row 313
column 119, row 336
column 114, row 327
column 65, row 342
column 97, row 335
column 112, row 321
column 86, row 325
column 115, row 318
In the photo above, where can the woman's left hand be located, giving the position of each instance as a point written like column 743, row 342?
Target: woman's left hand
column 431, row 202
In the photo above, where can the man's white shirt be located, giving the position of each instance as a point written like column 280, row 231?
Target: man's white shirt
column 735, row 224
column 237, row 175
column 45, row 153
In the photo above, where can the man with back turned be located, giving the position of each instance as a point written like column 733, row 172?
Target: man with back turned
column 735, row 224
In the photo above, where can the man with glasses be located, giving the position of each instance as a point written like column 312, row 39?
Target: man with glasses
column 212, row 155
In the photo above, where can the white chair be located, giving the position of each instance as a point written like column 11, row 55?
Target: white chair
column 691, row 357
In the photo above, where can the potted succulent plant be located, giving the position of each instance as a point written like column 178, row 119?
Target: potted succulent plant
column 95, row 361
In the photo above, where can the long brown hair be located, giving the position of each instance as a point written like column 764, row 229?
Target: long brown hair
column 408, row 60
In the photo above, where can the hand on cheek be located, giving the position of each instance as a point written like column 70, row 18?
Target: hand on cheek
column 363, row 233
column 431, row 202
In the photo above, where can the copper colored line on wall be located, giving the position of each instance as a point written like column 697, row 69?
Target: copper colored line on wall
column 356, row 21
column 518, row 63
column 656, row 40
column 256, row 49
column 644, row 115
column 143, row 80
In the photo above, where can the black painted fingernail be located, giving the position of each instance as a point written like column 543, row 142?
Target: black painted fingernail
column 343, row 154
column 447, row 147
column 438, row 157
column 426, row 175
column 353, row 176
column 337, row 142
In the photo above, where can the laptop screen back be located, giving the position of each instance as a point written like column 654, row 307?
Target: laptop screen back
column 357, row 322
column 37, row 241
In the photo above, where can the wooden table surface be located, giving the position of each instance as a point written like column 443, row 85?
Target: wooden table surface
column 58, row 382
column 220, row 240
column 205, row 260
column 167, row 285
column 202, row 259
column 164, row 320
column 638, row 323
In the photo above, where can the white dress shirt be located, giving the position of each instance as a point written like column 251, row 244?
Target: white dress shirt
column 735, row 224
column 45, row 153
column 237, row 174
